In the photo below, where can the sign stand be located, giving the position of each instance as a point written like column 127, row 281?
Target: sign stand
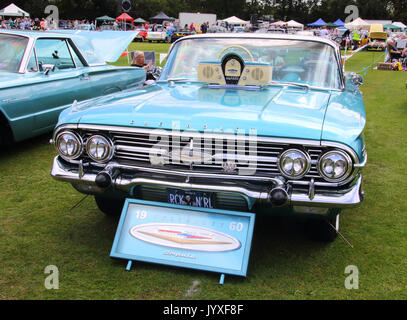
column 183, row 236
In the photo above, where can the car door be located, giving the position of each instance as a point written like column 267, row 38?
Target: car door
column 61, row 81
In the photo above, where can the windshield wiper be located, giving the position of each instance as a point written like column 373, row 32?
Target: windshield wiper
column 293, row 84
column 179, row 79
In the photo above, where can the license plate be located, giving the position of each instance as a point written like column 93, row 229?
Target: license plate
column 191, row 198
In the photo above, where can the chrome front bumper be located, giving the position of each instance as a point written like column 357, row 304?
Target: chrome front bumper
column 252, row 192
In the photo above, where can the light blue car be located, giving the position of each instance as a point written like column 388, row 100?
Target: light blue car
column 236, row 121
column 42, row 73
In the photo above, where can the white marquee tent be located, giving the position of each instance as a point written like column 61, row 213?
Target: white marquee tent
column 358, row 23
column 295, row 24
column 13, row 11
column 400, row 24
column 235, row 21
column 278, row 23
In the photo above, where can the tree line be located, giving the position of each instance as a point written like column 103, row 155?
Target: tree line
column 304, row 11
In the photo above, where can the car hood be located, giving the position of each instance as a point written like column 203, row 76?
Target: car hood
column 275, row 111
column 93, row 44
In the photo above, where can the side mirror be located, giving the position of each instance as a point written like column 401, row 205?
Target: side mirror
column 355, row 78
column 47, row 68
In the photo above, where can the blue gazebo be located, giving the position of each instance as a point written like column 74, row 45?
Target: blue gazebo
column 339, row 23
column 318, row 23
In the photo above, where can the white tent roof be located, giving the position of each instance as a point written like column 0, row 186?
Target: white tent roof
column 400, row 24
column 279, row 23
column 294, row 24
column 358, row 23
column 13, row 11
column 235, row 20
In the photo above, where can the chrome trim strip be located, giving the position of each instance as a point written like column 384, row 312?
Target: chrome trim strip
column 194, row 134
column 363, row 164
column 26, row 56
column 341, row 199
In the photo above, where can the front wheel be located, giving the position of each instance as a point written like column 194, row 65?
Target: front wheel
column 324, row 230
column 109, row 206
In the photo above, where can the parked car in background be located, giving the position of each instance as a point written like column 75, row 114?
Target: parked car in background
column 86, row 27
column 159, row 34
column 377, row 38
column 242, row 122
column 276, row 30
column 239, row 29
column 142, row 35
column 109, row 27
column 175, row 35
column 42, row 73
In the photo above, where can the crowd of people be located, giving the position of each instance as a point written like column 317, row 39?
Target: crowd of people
column 25, row 23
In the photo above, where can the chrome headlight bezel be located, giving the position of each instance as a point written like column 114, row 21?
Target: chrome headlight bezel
column 348, row 170
column 77, row 138
column 109, row 144
column 303, row 155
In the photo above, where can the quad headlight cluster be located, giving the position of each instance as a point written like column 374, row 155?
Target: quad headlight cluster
column 294, row 164
column 71, row 146
column 333, row 166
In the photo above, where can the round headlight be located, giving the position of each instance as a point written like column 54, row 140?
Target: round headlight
column 69, row 145
column 294, row 164
column 335, row 166
column 99, row 148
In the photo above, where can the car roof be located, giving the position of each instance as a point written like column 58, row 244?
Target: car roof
column 37, row 34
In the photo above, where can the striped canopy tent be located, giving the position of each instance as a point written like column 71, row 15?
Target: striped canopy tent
column 13, row 11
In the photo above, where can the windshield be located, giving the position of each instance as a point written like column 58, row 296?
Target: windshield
column 11, row 52
column 295, row 61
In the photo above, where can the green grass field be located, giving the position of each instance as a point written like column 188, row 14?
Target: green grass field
column 37, row 228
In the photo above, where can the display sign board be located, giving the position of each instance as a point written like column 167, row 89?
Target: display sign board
column 191, row 237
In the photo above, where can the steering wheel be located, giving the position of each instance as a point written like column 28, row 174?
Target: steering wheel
column 237, row 46
column 292, row 73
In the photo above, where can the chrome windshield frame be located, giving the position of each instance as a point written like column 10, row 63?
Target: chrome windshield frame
column 328, row 42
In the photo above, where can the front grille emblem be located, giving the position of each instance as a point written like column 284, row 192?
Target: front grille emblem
column 229, row 166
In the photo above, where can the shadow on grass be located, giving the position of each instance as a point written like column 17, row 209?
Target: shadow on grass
column 26, row 146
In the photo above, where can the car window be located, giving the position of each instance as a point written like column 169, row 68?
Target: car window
column 32, row 63
column 78, row 61
column 53, row 52
column 12, row 49
column 297, row 61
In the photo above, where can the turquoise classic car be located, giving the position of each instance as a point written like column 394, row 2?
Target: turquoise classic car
column 241, row 122
column 42, row 73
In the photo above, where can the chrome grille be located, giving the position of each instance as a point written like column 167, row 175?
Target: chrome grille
column 134, row 148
